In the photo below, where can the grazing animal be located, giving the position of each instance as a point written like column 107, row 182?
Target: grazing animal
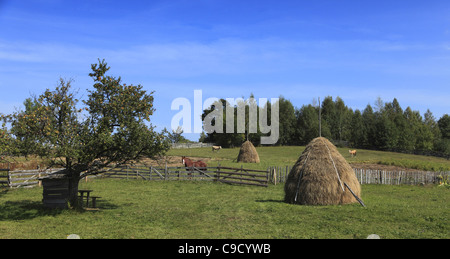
column 188, row 163
column 352, row 152
column 214, row 148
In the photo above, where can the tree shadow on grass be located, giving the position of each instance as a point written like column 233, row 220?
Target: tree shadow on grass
column 26, row 209
column 3, row 190
column 106, row 205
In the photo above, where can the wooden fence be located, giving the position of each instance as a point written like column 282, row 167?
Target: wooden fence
column 275, row 175
column 279, row 174
column 4, row 177
column 368, row 176
column 191, row 145
column 24, row 178
column 221, row 174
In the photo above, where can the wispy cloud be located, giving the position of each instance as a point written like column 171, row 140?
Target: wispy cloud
column 228, row 56
column 253, row 59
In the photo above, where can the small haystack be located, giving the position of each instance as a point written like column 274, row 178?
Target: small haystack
column 248, row 153
column 321, row 176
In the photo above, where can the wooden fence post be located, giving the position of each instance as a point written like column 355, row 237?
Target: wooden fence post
column 274, row 175
column 286, row 174
column 165, row 173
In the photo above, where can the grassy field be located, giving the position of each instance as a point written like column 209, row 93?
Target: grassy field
column 288, row 155
column 173, row 209
column 186, row 209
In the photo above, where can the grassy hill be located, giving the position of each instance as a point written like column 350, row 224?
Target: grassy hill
column 288, row 155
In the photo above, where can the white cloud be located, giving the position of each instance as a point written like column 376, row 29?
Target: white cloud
column 222, row 59
column 230, row 56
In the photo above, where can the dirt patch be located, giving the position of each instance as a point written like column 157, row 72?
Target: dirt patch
column 382, row 167
column 26, row 165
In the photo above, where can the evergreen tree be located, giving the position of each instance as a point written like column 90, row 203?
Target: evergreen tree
column 444, row 126
column 443, row 144
column 287, row 122
column 386, row 136
column 343, row 116
column 431, row 123
column 308, row 124
column 410, row 125
column 370, row 131
column 328, row 116
column 357, row 130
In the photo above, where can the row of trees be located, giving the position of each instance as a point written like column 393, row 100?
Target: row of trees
column 237, row 135
column 384, row 126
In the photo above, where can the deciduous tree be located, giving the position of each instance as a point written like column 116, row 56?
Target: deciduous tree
column 109, row 130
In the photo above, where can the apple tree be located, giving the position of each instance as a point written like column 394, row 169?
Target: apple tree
column 111, row 128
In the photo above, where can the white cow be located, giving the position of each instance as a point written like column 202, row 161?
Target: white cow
column 214, row 148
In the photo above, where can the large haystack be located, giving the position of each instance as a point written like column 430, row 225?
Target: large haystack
column 248, row 153
column 323, row 173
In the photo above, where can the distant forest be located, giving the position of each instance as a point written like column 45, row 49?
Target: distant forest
column 386, row 126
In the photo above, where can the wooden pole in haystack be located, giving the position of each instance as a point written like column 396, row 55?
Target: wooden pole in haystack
column 320, row 120
column 354, row 195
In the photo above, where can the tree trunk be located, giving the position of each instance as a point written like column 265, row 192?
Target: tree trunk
column 73, row 190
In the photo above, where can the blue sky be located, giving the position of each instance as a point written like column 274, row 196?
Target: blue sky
column 358, row 50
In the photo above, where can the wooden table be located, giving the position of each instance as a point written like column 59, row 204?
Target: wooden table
column 87, row 195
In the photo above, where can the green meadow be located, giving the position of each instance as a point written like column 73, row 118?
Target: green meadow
column 196, row 209
column 188, row 209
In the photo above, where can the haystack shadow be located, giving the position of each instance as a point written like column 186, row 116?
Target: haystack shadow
column 271, row 200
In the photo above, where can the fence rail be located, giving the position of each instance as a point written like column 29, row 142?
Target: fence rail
column 24, row 178
column 4, row 177
column 221, row 174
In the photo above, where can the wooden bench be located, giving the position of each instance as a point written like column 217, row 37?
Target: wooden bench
column 82, row 192
column 92, row 198
column 94, row 201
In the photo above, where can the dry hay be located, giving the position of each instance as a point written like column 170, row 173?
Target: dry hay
column 324, row 173
column 247, row 153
